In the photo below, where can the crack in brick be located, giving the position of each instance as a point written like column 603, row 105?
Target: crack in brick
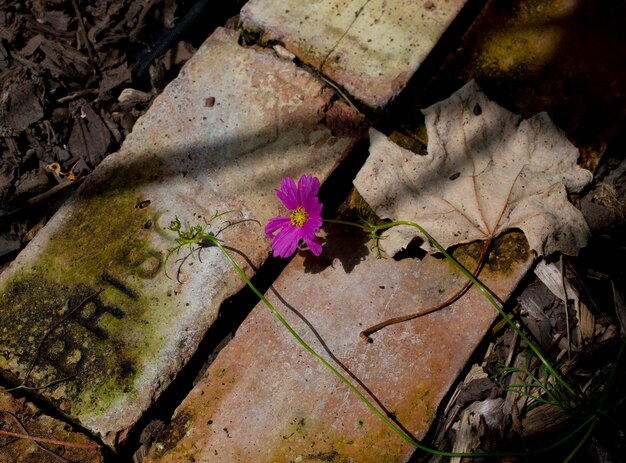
column 332, row 50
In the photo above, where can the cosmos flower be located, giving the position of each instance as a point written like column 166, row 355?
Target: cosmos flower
column 304, row 220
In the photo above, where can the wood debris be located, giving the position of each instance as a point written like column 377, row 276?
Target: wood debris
column 70, row 93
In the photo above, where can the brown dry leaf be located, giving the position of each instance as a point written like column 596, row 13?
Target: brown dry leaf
column 486, row 171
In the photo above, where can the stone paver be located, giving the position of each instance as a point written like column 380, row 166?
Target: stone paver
column 369, row 47
column 219, row 138
column 22, row 417
column 265, row 399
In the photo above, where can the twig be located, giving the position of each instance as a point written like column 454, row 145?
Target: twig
column 554, row 343
column 166, row 42
column 365, row 334
column 566, row 306
column 50, row 441
column 88, row 43
column 25, row 431
column 6, row 215
column 78, row 94
column 45, row 386
column 338, row 90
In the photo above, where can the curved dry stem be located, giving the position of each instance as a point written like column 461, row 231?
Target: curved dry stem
column 365, row 334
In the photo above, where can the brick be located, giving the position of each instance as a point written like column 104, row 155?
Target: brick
column 266, row 399
column 219, row 138
column 370, row 48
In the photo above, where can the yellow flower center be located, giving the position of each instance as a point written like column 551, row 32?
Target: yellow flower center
column 298, row 217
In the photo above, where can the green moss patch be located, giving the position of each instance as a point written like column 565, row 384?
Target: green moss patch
column 87, row 354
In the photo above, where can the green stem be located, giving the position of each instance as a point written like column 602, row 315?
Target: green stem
column 336, row 372
column 493, row 302
column 374, row 231
column 377, row 228
column 581, row 442
column 376, row 411
column 613, row 376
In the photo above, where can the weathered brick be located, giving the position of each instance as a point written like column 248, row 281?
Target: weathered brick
column 370, row 48
column 266, row 399
column 219, row 138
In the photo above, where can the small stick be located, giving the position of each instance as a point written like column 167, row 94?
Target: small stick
column 78, row 94
column 25, row 431
column 365, row 334
column 6, row 215
column 50, row 441
column 566, row 306
column 338, row 90
column 555, row 343
column 83, row 30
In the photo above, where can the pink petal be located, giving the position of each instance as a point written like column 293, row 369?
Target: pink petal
column 286, row 241
column 276, row 223
column 308, row 188
column 313, row 243
column 315, row 214
column 313, row 223
column 313, row 206
column 288, row 193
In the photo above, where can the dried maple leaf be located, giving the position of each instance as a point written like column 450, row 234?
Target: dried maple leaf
column 486, row 171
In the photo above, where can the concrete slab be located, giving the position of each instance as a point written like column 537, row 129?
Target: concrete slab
column 22, row 417
column 219, row 138
column 369, row 47
column 265, row 399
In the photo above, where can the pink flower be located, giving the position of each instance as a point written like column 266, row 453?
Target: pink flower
column 304, row 220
